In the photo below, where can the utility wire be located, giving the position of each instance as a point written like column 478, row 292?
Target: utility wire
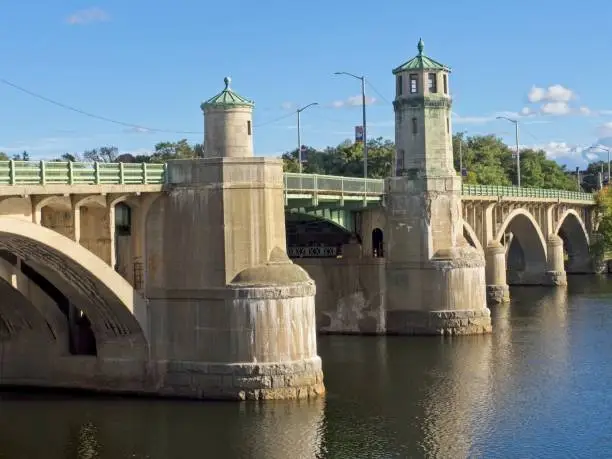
column 110, row 120
column 377, row 91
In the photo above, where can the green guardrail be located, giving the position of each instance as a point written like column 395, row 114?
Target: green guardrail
column 332, row 184
column 80, row 173
column 522, row 192
column 97, row 173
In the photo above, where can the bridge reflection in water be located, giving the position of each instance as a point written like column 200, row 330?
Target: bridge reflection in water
column 538, row 381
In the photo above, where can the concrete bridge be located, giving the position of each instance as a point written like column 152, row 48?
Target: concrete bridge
column 178, row 279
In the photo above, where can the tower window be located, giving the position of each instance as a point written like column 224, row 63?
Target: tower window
column 433, row 83
column 414, row 83
column 249, row 127
column 399, row 167
column 447, row 125
column 399, row 85
column 445, row 78
column 414, row 125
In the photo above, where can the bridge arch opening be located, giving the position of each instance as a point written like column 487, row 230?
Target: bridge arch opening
column 470, row 237
column 575, row 238
column 525, row 249
column 309, row 236
column 378, row 246
column 78, row 304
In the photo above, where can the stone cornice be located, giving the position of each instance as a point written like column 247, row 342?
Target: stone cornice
column 423, row 101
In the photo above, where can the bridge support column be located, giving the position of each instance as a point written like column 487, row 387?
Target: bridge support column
column 232, row 317
column 555, row 269
column 497, row 286
column 435, row 279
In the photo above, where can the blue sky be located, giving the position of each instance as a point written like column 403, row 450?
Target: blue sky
column 152, row 63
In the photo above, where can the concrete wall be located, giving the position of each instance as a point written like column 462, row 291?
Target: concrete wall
column 350, row 293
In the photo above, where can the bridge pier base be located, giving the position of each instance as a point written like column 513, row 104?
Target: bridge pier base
column 555, row 268
column 498, row 291
column 435, row 280
column 231, row 316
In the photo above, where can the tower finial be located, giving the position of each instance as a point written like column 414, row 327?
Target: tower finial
column 227, row 80
column 420, row 46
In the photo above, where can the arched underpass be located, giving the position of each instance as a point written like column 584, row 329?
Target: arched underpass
column 525, row 249
column 313, row 237
column 575, row 244
column 66, row 318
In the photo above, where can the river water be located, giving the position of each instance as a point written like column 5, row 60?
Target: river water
column 539, row 386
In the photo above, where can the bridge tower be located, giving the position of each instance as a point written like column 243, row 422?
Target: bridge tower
column 228, row 125
column 235, row 317
column 435, row 279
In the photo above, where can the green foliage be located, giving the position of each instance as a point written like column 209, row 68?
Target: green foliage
column 345, row 159
column 491, row 162
column 602, row 242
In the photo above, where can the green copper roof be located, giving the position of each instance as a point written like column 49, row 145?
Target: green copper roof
column 227, row 98
column 421, row 62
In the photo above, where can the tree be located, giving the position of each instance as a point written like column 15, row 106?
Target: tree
column 74, row 157
column 102, row 154
column 346, row 159
column 3, row 156
column 602, row 240
column 24, row 156
column 165, row 151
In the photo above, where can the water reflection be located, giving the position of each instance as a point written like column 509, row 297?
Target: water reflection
column 35, row 426
column 536, row 387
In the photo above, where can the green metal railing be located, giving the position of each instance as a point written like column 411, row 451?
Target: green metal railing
column 95, row 173
column 522, row 192
column 81, row 173
column 331, row 184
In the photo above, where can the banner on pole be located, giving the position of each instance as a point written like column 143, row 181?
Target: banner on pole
column 358, row 134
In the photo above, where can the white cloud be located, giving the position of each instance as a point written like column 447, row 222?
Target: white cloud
column 554, row 93
column 287, row 105
column 137, row 130
column 87, row 16
column 585, row 111
column 557, row 150
column 353, row 101
column 555, row 108
column 605, row 129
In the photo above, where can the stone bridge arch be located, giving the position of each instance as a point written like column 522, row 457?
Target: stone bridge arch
column 576, row 242
column 526, row 249
column 470, row 236
column 117, row 313
column 306, row 230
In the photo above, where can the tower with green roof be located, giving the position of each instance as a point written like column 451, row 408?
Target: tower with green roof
column 228, row 125
column 435, row 280
column 423, row 133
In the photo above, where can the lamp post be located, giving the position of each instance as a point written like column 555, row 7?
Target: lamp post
column 363, row 109
column 518, row 160
column 299, row 139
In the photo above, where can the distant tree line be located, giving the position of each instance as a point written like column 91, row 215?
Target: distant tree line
column 486, row 160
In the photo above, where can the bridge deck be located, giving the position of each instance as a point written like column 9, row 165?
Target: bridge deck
column 60, row 177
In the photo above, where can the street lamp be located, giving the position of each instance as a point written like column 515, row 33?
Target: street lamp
column 594, row 147
column 363, row 108
column 298, row 111
column 518, row 161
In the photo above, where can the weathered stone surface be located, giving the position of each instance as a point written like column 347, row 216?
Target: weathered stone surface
column 498, row 294
column 439, row 322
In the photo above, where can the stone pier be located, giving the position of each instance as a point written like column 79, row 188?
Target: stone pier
column 231, row 315
column 435, row 280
